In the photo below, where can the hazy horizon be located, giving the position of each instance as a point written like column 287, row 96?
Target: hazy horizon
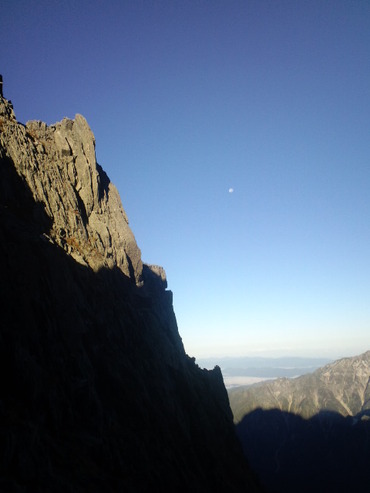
column 276, row 354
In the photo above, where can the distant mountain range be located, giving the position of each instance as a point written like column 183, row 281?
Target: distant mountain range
column 311, row 433
column 342, row 386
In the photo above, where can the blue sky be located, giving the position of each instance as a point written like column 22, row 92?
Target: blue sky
column 188, row 99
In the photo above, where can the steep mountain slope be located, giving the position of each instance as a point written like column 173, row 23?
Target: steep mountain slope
column 97, row 392
column 342, row 387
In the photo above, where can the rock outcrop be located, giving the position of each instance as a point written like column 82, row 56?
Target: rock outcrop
column 98, row 393
column 59, row 166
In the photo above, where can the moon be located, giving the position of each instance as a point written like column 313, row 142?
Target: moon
column 231, row 190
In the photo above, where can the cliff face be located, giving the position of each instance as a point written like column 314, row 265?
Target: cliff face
column 98, row 393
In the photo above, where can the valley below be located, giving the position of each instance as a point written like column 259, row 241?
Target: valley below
column 248, row 370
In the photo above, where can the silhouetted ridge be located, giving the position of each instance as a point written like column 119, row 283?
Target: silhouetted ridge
column 327, row 453
column 98, row 393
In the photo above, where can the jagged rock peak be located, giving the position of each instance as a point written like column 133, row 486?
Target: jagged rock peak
column 58, row 163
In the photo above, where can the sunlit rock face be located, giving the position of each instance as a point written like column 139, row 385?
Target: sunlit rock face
column 59, row 166
column 98, row 393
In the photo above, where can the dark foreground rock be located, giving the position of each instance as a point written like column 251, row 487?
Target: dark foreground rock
column 97, row 392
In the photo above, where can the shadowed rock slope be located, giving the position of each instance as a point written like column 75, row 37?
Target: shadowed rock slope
column 327, row 453
column 97, row 392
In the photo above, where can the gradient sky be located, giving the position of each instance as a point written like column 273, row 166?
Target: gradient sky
column 188, row 99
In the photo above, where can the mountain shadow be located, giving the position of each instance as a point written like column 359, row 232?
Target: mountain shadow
column 97, row 392
column 327, row 453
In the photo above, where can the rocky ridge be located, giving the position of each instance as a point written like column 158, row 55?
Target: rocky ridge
column 59, row 165
column 98, row 392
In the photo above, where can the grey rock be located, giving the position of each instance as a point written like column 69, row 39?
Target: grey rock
column 59, row 165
